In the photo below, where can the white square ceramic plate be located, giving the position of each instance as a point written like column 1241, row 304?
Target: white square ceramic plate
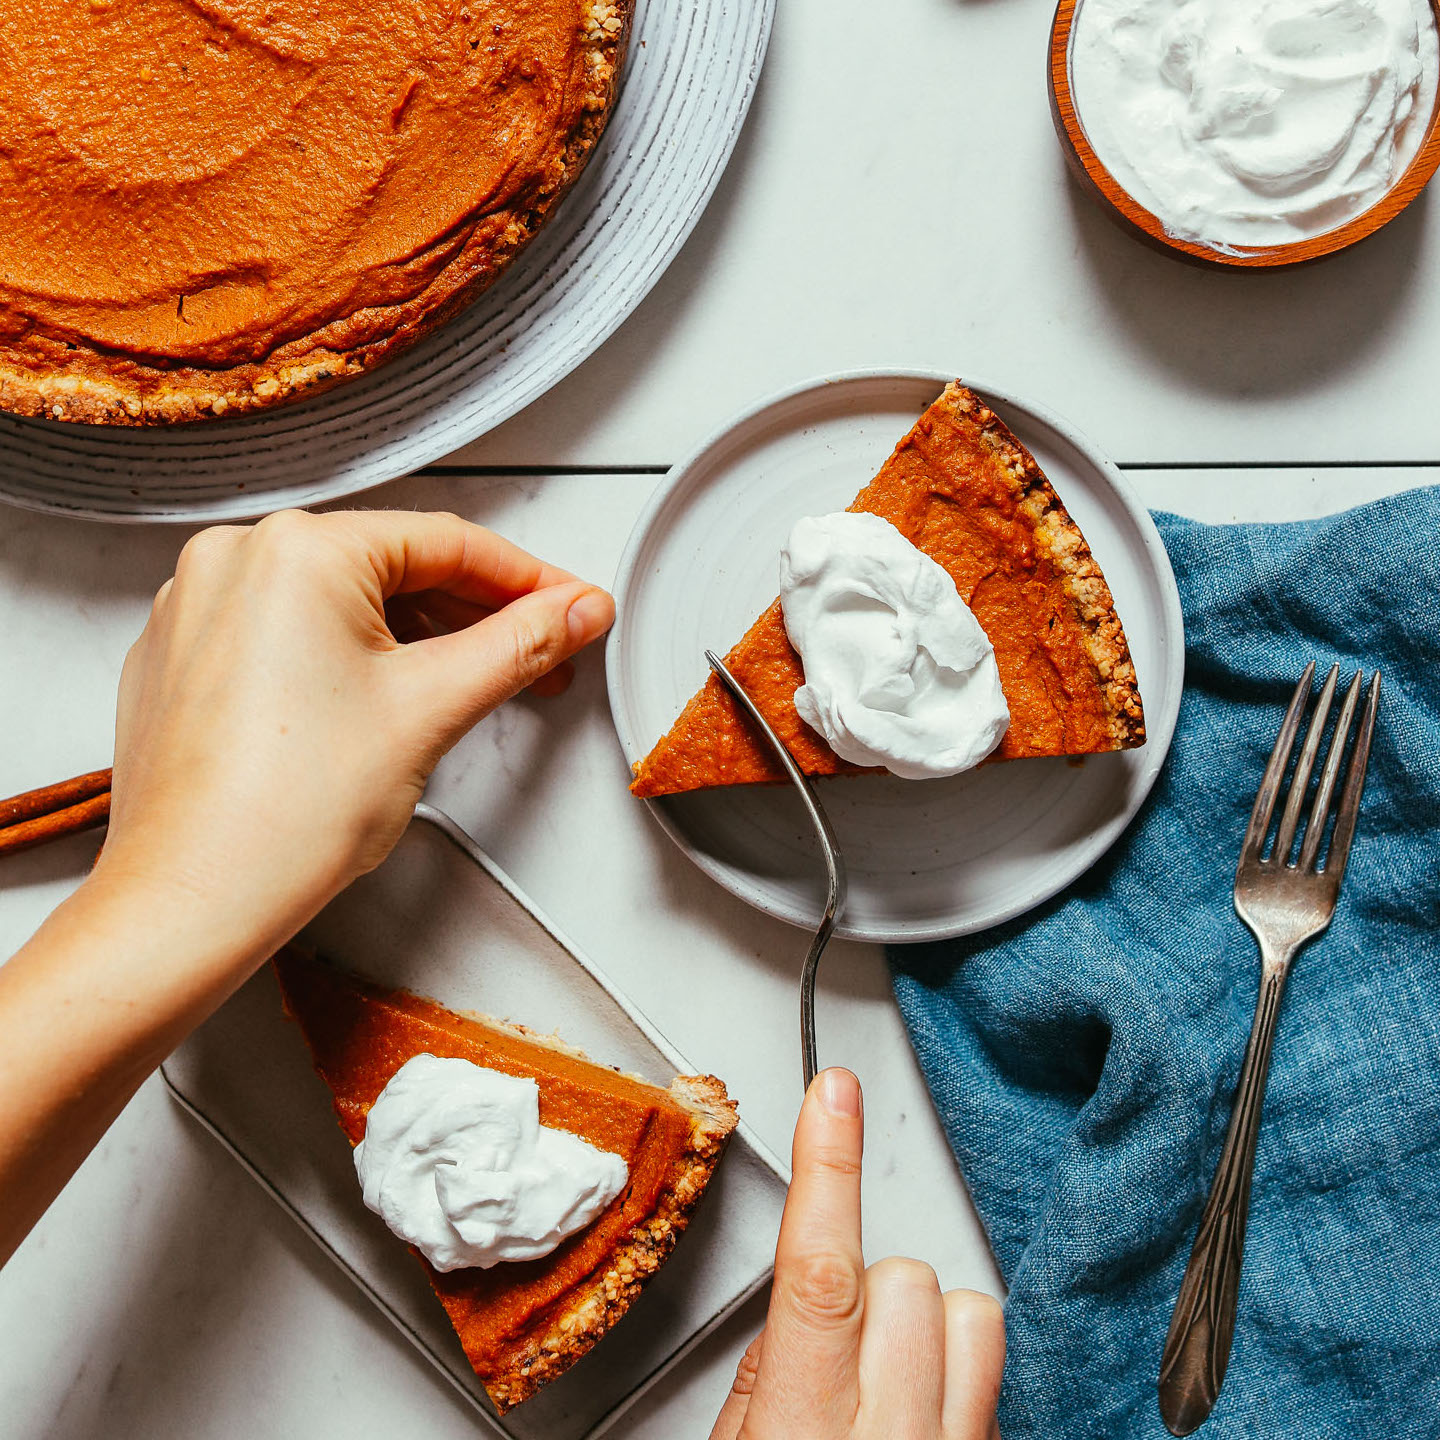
column 440, row 919
column 926, row 859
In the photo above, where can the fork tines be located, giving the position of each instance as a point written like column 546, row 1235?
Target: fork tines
column 1252, row 852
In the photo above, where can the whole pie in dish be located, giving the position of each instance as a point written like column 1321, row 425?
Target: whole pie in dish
column 209, row 206
column 964, row 490
column 522, row 1323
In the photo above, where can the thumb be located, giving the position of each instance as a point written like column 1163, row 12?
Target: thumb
column 462, row 677
column 737, row 1402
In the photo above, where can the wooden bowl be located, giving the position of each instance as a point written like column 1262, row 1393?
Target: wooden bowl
column 1134, row 217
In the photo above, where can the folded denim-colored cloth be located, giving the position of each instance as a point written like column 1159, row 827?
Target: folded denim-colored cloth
column 1083, row 1058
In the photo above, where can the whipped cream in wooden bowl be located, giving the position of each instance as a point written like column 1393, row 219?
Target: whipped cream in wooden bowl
column 1254, row 125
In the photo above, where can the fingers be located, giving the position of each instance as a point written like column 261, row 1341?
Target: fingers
column 822, row 1211
column 554, row 682
column 463, row 676
column 406, row 621
column 974, row 1360
column 442, row 612
column 853, row 1352
column 203, row 553
column 808, row 1381
column 413, row 551
column 902, row 1350
column 431, row 612
column 492, row 574
column 737, row 1402
column 515, row 619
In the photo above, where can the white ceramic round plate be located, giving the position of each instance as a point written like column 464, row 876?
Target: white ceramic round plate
column 688, row 79
column 926, row 859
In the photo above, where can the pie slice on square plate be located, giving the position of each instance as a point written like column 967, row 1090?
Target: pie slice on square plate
column 964, row 490
column 523, row 1323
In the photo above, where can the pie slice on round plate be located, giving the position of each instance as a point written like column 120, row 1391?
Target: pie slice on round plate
column 523, row 1323
column 964, row 490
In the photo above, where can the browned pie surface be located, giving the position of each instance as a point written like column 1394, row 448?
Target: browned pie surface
column 524, row 1322
column 209, row 205
column 963, row 489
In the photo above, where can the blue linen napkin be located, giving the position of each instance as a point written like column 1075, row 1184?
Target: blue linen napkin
column 1083, row 1058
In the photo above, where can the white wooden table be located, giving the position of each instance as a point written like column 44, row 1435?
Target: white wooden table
column 898, row 198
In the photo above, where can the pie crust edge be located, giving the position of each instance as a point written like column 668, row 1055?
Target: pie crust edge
column 594, row 1306
column 1058, row 534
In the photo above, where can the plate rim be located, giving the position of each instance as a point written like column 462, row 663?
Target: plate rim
column 238, row 504
column 1171, row 629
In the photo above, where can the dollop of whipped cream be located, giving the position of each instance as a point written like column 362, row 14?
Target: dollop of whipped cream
column 456, row 1161
column 898, row 671
column 1254, row 124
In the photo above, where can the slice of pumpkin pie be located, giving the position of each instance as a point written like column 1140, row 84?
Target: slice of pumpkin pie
column 521, row 1321
column 962, row 489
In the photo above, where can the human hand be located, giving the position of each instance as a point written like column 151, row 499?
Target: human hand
column 273, row 734
column 850, row 1353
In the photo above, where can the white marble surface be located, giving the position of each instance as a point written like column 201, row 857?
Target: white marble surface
column 898, row 197
column 164, row 1294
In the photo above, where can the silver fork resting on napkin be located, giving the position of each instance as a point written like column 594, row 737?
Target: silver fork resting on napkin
column 1285, row 903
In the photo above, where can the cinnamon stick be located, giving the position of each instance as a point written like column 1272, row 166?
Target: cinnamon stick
column 51, row 798
column 57, row 824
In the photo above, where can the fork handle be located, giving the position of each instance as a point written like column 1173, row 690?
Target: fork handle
column 1197, row 1349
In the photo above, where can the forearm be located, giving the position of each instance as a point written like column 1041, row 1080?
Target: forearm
column 262, row 761
column 88, row 1008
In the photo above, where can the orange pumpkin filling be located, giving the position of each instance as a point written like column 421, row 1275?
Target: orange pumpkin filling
column 964, row 490
column 512, row 1319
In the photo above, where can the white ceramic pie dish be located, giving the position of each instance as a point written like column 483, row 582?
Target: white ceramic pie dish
column 688, row 80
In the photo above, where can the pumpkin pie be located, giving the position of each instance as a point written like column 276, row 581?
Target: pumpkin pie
column 207, row 208
column 522, row 1323
column 964, row 490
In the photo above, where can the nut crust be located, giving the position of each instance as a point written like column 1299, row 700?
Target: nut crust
column 597, row 1304
column 1059, row 536
column 43, row 377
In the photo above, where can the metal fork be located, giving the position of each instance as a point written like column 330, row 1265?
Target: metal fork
column 1285, row 903
column 829, row 848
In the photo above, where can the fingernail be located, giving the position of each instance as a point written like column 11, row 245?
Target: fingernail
column 589, row 616
column 840, row 1093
